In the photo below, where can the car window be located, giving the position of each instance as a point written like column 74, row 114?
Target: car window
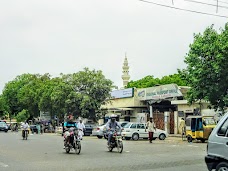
column 223, row 129
column 133, row 126
column 127, row 125
column 140, row 126
column 123, row 124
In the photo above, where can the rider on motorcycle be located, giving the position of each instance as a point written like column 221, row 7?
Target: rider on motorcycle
column 111, row 125
column 25, row 127
column 69, row 124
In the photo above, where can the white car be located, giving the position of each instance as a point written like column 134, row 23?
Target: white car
column 135, row 130
column 98, row 131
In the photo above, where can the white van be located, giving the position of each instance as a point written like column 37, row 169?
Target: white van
column 217, row 147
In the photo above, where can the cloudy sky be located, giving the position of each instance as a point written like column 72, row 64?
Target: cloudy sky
column 64, row 36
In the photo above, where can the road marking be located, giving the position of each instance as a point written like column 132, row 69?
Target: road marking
column 3, row 165
column 175, row 145
column 193, row 146
column 127, row 151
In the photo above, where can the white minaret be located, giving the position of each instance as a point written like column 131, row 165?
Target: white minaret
column 125, row 76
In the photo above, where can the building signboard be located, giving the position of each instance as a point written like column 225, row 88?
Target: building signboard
column 125, row 93
column 45, row 116
column 159, row 92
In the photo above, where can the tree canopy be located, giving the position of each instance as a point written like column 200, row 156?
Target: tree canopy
column 207, row 64
column 80, row 93
column 150, row 81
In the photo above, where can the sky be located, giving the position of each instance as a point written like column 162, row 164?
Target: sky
column 64, row 36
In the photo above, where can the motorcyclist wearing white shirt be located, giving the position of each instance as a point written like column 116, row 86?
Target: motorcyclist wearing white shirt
column 25, row 127
column 81, row 128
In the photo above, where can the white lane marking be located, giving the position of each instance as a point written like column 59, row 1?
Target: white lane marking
column 193, row 146
column 127, row 151
column 3, row 165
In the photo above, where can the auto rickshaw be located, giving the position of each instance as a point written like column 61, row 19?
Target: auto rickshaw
column 199, row 127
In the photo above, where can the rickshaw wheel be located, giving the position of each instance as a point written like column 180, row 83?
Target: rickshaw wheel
column 189, row 138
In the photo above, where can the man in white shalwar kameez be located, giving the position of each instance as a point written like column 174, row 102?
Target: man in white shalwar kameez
column 81, row 128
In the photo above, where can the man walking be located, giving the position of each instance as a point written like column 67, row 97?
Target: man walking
column 150, row 125
column 81, row 128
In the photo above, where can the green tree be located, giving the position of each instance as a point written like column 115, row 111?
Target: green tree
column 90, row 89
column 150, row 81
column 81, row 93
column 207, row 64
column 3, row 107
column 22, row 116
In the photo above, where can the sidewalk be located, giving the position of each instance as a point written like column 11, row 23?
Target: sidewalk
column 175, row 135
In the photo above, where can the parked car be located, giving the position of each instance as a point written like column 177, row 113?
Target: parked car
column 217, row 151
column 99, row 131
column 88, row 129
column 136, row 130
column 3, row 127
column 34, row 128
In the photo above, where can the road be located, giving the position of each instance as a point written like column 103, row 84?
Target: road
column 46, row 153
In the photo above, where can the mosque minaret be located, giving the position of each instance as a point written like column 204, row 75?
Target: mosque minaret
column 125, row 76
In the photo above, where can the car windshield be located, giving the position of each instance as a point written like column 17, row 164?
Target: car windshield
column 127, row 125
column 2, row 124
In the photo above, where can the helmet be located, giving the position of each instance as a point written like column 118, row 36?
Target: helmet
column 113, row 118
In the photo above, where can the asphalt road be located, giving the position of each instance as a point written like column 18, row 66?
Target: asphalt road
column 46, row 153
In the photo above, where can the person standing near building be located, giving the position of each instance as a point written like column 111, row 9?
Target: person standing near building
column 81, row 128
column 182, row 126
column 150, row 125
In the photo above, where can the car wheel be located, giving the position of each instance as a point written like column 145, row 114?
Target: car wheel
column 162, row 136
column 223, row 166
column 100, row 137
column 135, row 136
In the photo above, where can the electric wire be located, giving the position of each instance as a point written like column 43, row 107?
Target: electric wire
column 182, row 9
column 204, row 3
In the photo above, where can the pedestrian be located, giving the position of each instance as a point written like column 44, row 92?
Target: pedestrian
column 81, row 128
column 41, row 128
column 150, row 125
column 182, row 126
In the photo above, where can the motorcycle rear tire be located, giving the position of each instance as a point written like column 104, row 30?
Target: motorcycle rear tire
column 26, row 135
column 67, row 149
column 110, row 149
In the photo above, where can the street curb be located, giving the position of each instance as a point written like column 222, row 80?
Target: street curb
column 175, row 135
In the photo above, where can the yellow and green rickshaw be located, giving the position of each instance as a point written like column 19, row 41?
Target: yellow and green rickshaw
column 199, row 127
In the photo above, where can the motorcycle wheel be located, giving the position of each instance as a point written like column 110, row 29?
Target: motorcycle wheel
column 120, row 146
column 67, row 149
column 26, row 135
column 110, row 149
column 78, row 147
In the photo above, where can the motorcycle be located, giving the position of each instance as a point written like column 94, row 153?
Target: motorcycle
column 74, row 144
column 116, row 141
column 25, row 134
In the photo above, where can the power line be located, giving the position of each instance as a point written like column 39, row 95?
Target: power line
column 204, row 3
column 182, row 9
column 221, row 1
